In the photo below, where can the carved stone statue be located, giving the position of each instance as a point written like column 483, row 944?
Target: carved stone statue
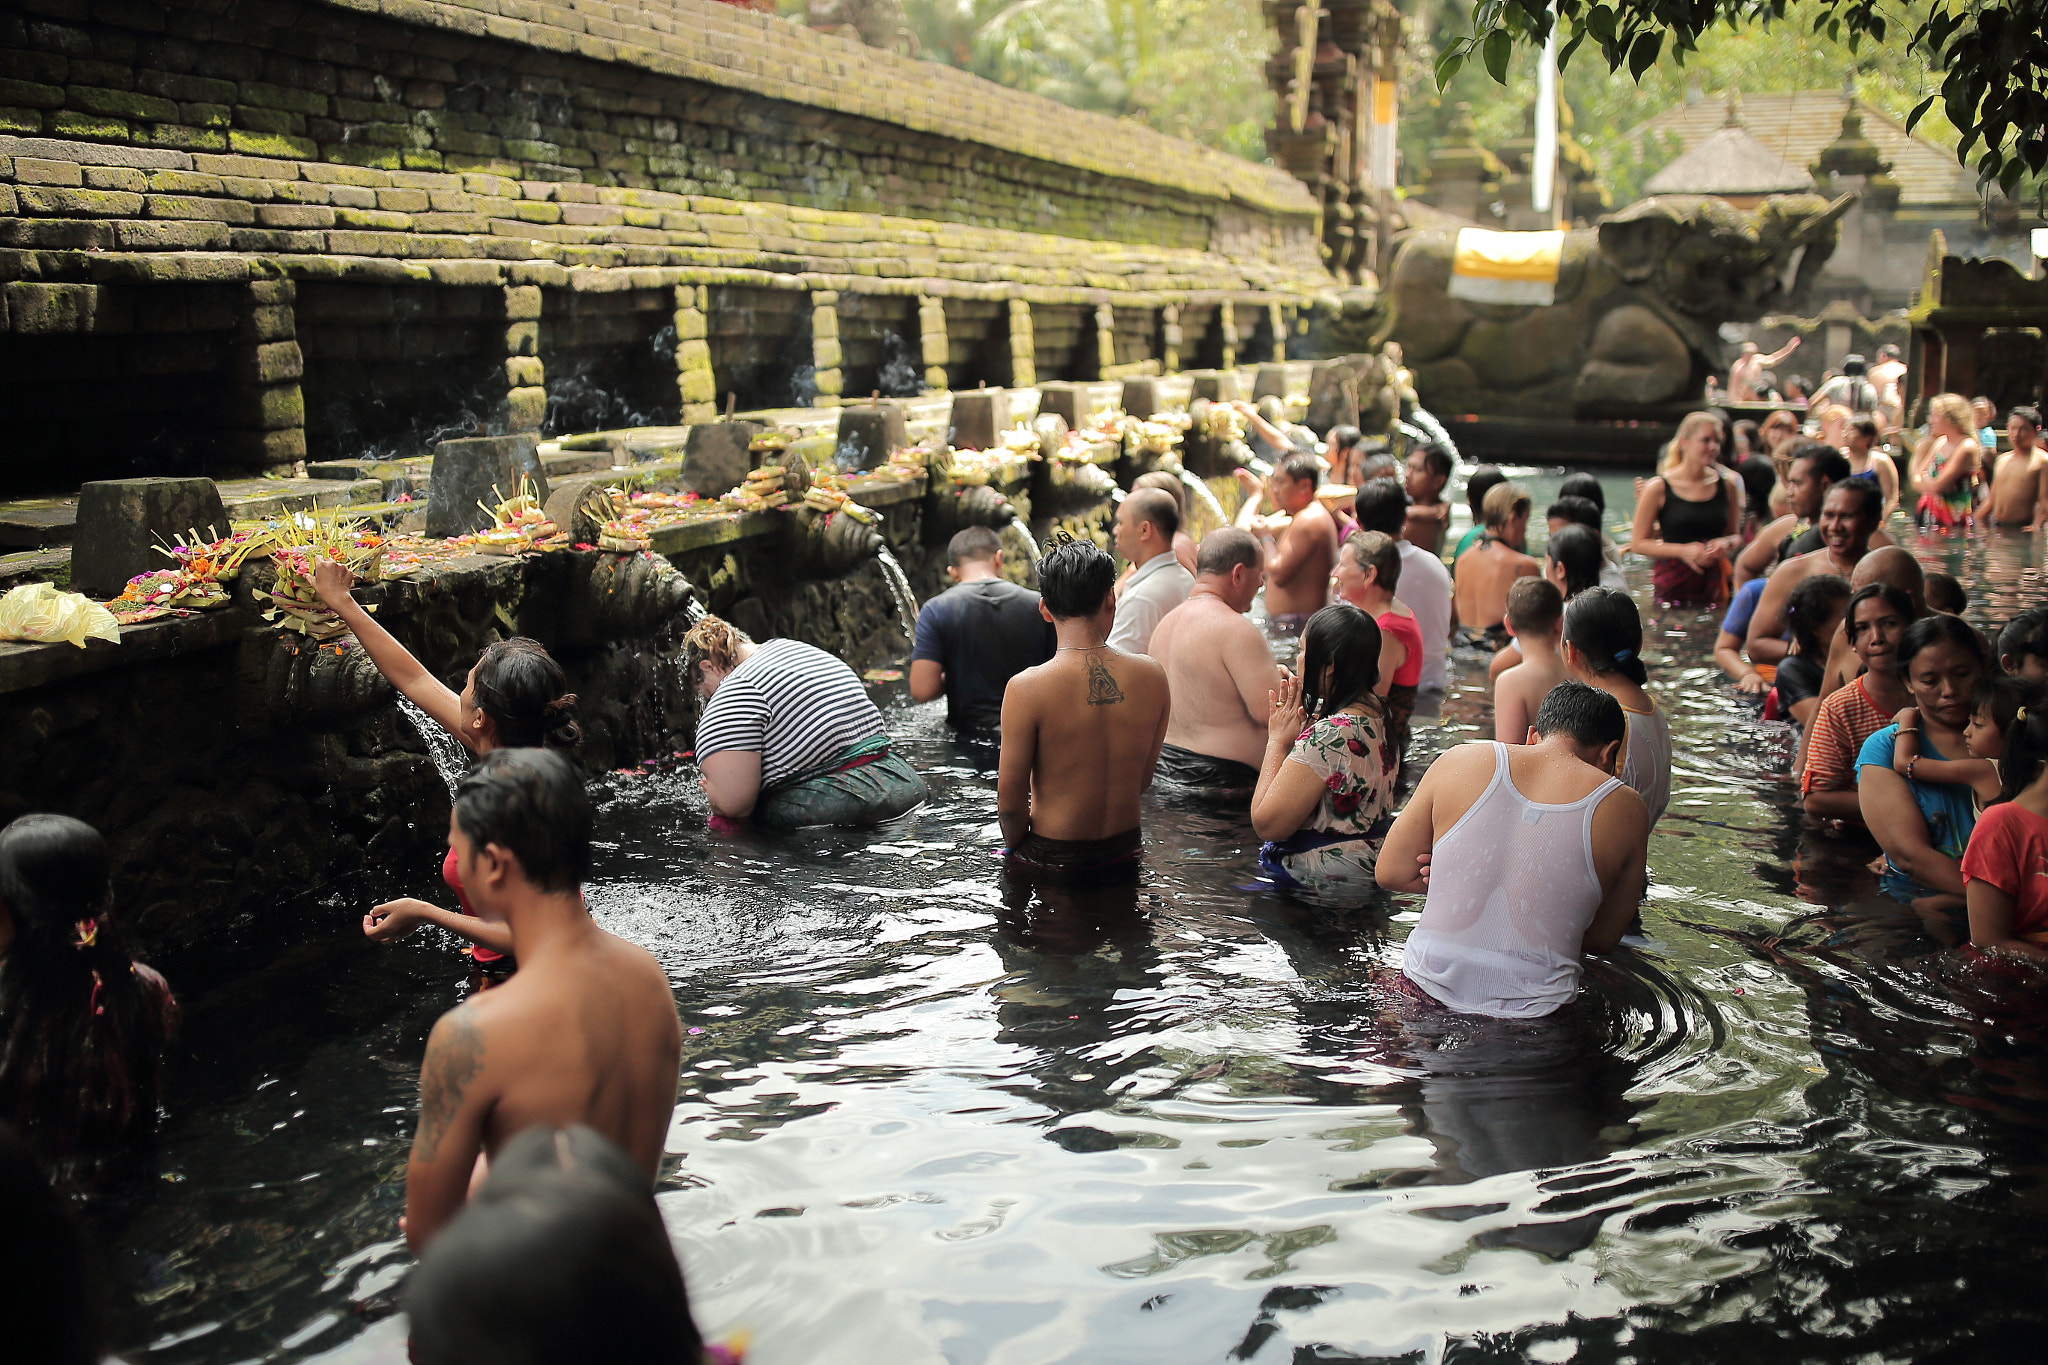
column 1637, row 307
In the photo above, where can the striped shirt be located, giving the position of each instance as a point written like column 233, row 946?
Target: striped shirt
column 793, row 704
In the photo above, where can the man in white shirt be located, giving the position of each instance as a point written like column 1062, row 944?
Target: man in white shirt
column 1382, row 505
column 1145, row 527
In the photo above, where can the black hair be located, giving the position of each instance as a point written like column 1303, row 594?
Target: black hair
column 1746, row 432
column 1603, row 625
column 1945, row 594
column 973, row 545
column 1938, row 628
column 1302, row 465
column 1812, row 605
column 1584, row 713
column 1381, row 505
column 1583, row 485
column 1074, row 577
column 531, row 803
column 1224, row 549
column 1867, row 494
column 1342, row 438
column 2006, row 697
column 1854, row 365
column 526, row 694
column 1344, row 642
column 1759, row 477
column 1891, row 596
column 1865, row 426
column 82, row 1031
column 555, row 1261
column 2025, row 634
column 1157, row 506
column 1578, row 549
column 1827, row 462
column 1436, row 459
column 2030, row 415
column 1576, row 510
column 1478, row 483
column 2026, row 748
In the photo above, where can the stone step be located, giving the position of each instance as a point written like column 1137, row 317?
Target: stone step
column 37, row 523
column 35, row 566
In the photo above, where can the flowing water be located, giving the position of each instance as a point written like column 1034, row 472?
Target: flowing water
column 451, row 760
column 1207, row 497
column 1425, row 425
column 899, row 590
column 1032, row 553
column 927, row 1117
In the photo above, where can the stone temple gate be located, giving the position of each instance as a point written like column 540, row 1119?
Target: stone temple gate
column 235, row 234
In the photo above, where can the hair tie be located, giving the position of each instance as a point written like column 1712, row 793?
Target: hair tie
column 2022, row 714
column 88, row 933
column 1621, row 654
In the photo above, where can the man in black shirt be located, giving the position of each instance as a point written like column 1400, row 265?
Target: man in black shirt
column 974, row 637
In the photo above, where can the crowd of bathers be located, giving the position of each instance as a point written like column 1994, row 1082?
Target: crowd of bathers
column 546, row 1095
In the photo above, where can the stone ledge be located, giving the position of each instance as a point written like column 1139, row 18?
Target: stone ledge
column 25, row 666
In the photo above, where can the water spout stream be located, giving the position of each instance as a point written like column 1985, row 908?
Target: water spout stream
column 1422, row 418
column 1031, row 550
column 899, row 588
column 451, row 760
column 1206, row 496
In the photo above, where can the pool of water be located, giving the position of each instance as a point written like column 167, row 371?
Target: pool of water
column 926, row 1118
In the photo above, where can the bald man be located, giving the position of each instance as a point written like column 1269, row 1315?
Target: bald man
column 1145, row 527
column 1893, row 567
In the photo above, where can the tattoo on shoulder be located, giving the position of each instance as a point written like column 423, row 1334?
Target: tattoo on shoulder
column 452, row 1063
column 1102, row 688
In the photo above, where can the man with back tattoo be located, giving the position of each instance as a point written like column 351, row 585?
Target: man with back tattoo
column 1081, row 733
column 586, row 1032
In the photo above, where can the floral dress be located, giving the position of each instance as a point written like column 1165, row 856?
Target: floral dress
column 1339, row 844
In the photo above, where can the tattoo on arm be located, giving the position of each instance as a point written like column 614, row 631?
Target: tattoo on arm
column 453, row 1061
column 1102, row 688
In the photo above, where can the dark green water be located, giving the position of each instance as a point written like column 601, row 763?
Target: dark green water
column 926, row 1120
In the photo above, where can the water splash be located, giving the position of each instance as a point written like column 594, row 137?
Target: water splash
column 1031, row 551
column 1206, row 496
column 899, row 588
column 693, row 610
column 451, row 760
column 1433, row 430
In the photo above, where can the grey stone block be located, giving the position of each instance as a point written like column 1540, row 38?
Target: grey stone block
column 1141, row 397
column 122, row 521
column 1064, row 399
column 868, row 432
column 1270, row 381
column 715, row 457
column 1218, row 386
column 466, row 471
column 979, row 416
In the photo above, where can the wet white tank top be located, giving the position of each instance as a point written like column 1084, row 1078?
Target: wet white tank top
column 1646, row 758
column 1512, row 887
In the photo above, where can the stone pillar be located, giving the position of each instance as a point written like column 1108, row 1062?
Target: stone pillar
column 1023, row 356
column 933, row 343
column 825, row 354
column 267, row 419
column 696, row 390
column 1105, row 339
column 1276, row 318
column 1169, row 339
column 526, row 396
column 977, row 419
column 1226, row 318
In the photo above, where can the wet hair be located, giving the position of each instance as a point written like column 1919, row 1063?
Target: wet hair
column 1583, row 485
column 1945, row 594
column 1864, row 426
column 1302, row 465
column 974, row 545
column 713, row 641
column 1158, row 507
column 1504, row 502
column 1956, row 409
column 1479, row 483
column 531, row 803
column 561, row 1257
column 1577, row 549
column 1074, row 577
column 1869, row 498
column 82, row 1034
column 1939, row 628
column 2026, row 634
column 1759, row 477
column 2031, row 416
column 1603, row 625
column 46, row 1296
column 1827, row 463
column 1854, row 365
column 1380, row 505
column 1578, row 511
column 1534, row 605
column 1340, row 440
column 526, row 694
column 1344, row 642
column 1583, row 713
column 1224, row 549
column 1435, row 458
column 1811, row 608
column 1165, row 483
column 1378, row 551
column 1891, row 597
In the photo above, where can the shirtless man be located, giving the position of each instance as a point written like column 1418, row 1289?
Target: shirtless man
column 1485, row 572
column 585, row 1032
column 1081, row 734
column 2018, row 493
column 1750, row 366
column 1885, row 377
column 1814, row 468
column 1299, row 558
column 1507, row 920
column 1219, row 672
column 1848, row 515
column 1429, row 514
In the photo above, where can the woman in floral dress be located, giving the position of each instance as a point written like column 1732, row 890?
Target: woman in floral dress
column 1325, row 798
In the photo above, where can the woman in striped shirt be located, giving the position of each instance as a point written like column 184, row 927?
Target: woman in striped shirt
column 788, row 735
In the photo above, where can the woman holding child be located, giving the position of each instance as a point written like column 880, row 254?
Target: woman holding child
column 1924, row 825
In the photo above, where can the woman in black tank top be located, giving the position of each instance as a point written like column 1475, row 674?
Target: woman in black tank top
column 1688, row 521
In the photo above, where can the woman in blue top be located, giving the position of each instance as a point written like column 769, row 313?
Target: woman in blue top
column 1925, row 826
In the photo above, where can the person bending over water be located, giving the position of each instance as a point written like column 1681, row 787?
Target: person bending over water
column 1326, row 786
column 1530, row 856
column 1219, row 672
column 976, row 635
column 516, row 697
column 1300, row 556
column 1572, row 563
column 1485, row 571
column 1925, row 825
column 789, row 736
column 83, row 1025
column 586, row 1032
column 1876, row 620
column 1081, row 734
column 2005, row 870
column 1603, row 647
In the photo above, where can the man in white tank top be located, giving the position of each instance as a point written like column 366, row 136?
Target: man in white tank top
column 1532, row 856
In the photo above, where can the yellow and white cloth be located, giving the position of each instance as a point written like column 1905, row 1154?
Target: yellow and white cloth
column 1506, row 267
